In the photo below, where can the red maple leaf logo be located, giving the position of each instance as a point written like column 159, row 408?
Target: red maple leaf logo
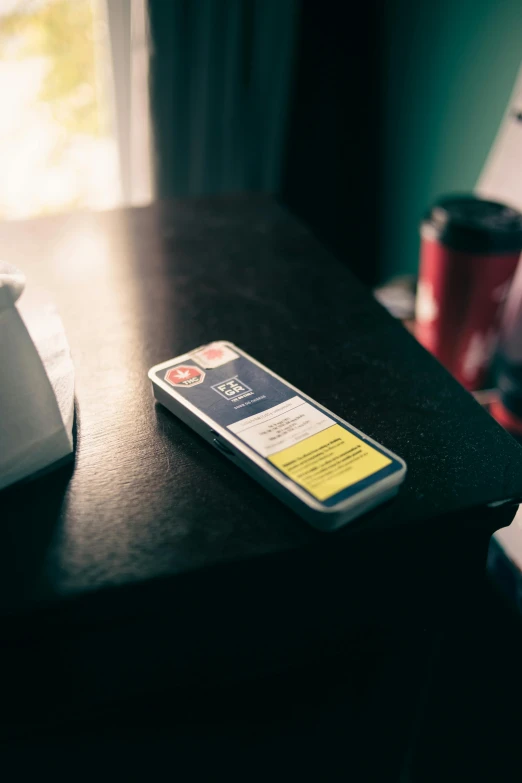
column 213, row 353
column 183, row 374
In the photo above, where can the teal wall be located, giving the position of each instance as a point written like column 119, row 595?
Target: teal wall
column 449, row 69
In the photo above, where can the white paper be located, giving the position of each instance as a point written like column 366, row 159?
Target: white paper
column 34, row 432
column 281, row 426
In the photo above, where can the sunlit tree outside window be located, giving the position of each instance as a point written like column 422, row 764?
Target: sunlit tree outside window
column 57, row 143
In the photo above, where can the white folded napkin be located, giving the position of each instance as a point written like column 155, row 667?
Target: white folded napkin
column 36, row 384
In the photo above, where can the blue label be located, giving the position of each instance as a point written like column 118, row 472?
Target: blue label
column 233, row 391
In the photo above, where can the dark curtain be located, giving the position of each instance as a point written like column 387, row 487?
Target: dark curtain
column 221, row 73
column 333, row 158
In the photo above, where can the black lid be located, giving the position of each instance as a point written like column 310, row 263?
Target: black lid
column 473, row 225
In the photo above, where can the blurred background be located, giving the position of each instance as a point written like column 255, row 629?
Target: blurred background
column 67, row 136
column 361, row 124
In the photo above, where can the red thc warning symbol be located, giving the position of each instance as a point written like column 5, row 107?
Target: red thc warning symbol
column 185, row 375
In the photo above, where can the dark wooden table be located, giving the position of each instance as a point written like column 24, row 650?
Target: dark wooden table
column 152, row 560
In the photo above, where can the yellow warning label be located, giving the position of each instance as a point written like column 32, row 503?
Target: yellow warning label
column 329, row 461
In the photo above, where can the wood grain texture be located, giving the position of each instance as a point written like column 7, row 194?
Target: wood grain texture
column 146, row 497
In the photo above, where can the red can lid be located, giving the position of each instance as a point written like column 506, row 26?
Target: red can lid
column 470, row 224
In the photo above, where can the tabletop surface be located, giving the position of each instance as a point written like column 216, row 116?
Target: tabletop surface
column 147, row 497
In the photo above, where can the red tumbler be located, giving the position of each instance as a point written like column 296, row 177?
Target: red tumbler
column 469, row 252
column 507, row 409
